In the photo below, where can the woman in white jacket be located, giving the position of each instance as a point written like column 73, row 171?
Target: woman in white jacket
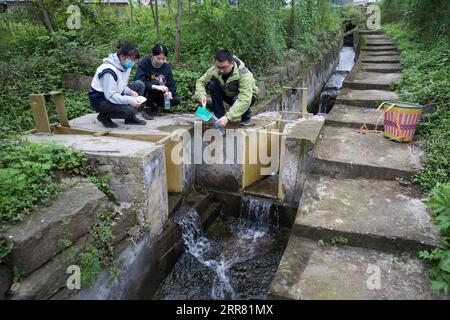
column 110, row 95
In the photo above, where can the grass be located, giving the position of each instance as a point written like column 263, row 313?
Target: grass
column 425, row 80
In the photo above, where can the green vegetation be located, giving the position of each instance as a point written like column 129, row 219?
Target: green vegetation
column 339, row 241
column 33, row 174
column 440, row 208
column 99, row 252
column 420, row 30
column 264, row 33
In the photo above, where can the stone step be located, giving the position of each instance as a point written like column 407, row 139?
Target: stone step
column 354, row 117
column 380, row 43
column 347, row 153
column 39, row 238
column 376, row 37
column 382, row 67
column 379, row 59
column 380, row 53
column 380, row 48
column 375, row 214
column 364, row 98
column 371, row 32
column 370, row 80
column 310, row 272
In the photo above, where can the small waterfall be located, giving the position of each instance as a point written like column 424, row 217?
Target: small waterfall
column 335, row 82
column 201, row 247
column 256, row 214
column 248, row 237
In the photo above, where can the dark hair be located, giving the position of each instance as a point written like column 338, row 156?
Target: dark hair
column 160, row 48
column 223, row 55
column 127, row 49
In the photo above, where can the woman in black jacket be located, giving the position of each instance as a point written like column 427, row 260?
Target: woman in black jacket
column 157, row 76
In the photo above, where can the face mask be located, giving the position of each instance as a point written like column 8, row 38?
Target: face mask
column 128, row 64
column 156, row 64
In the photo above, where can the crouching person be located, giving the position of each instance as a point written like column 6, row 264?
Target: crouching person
column 110, row 94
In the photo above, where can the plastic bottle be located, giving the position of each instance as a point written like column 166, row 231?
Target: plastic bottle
column 219, row 128
column 166, row 104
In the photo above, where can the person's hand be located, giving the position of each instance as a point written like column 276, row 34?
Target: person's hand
column 223, row 121
column 134, row 93
column 136, row 104
column 203, row 101
column 161, row 88
column 168, row 95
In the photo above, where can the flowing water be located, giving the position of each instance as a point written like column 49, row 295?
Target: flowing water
column 336, row 81
column 235, row 259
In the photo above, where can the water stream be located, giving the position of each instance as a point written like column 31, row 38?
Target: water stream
column 336, row 80
column 235, row 259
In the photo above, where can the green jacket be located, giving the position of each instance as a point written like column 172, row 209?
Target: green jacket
column 241, row 83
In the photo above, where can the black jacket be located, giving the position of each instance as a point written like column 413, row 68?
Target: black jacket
column 149, row 75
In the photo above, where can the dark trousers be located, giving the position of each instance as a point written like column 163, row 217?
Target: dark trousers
column 218, row 96
column 155, row 100
column 121, row 111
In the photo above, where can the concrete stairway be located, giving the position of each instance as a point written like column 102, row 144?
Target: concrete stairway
column 352, row 193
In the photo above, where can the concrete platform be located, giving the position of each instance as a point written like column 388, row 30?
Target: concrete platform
column 382, row 67
column 161, row 126
column 379, row 59
column 364, row 98
column 376, row 214
column 371, row 80
column 346, row 153
column 353, row 117
column 310, row 272
column 136, row 170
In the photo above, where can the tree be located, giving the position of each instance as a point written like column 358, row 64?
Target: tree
column 177, row 59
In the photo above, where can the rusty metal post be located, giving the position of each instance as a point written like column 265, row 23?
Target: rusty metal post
column 37, row 102
column 60, row 108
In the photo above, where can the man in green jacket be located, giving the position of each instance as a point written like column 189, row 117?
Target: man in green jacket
column 230, row 81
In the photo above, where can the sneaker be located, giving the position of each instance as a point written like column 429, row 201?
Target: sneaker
column 245, row 122
column 135, row 121
column 107, row 122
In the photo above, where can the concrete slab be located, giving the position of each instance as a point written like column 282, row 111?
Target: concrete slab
column 379, row 59
column 353, row 117
column 379, row 43
column 371, row 80
column 371, row 32
column 364, row 98
column 376, row 37
column 346, row 153
column 382, row 67
column 379, row 48
column 161, row 126
column 310, row 272
column 136, row 170
column 380, row 53
column 376, row 214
